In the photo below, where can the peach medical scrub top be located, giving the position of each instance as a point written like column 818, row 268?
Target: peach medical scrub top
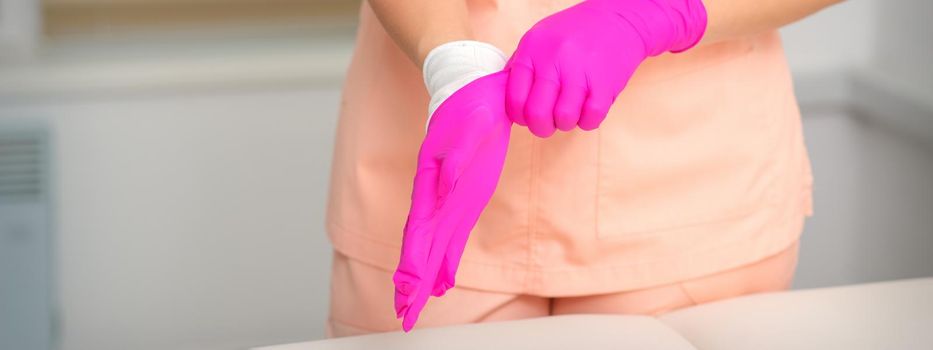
column 699, row 167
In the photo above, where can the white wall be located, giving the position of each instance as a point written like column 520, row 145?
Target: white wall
column 870, row 143
column 20, row 28
column 191, row 222
column 837, row 39
column 873, row 195
column 905, row 48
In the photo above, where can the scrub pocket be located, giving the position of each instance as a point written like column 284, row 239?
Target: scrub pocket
column 693, row 150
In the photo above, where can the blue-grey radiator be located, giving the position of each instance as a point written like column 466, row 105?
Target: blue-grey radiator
column 26, row 283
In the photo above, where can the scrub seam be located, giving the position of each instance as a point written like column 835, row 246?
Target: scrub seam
column 683, row 289
column 339, row 247
column 530, row 276
column 596, row 196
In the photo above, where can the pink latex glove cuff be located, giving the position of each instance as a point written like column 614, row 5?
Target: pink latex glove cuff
column 459, row 165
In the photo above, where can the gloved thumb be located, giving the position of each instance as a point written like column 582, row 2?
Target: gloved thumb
column 476, row 128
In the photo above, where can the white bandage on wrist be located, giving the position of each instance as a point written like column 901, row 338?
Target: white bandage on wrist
column 450, row 66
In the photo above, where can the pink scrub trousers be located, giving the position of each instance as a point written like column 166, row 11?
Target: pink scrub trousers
column 361, row 303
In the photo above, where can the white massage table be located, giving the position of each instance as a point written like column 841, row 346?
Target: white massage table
column 888, row 315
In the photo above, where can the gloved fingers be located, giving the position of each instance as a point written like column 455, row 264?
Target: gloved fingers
column 405, row 285
column 446, row 277
column 413, row 311
column 595, row 109
column 416, row 301
column 447, row 271
column 480, row 183
column 518, row 86
column 417, row 236
column 449, row 263
column 573, row 90
column 409, row 273
column 539, row 108
column 446, row 223
column 569, row 106
column 421, row 243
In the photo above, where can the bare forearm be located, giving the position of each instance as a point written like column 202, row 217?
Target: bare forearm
column 418, row 26
column 735, row 18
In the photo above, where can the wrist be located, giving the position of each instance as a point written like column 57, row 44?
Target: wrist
column 450, row 66
column 664, row 25
column 693, row 22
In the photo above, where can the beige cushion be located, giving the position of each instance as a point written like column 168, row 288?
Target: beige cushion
column 561, row 332
column 890, row 315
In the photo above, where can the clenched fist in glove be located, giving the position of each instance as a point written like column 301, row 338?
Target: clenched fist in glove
column 569, row 68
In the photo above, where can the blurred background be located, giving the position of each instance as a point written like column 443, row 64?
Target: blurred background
column 164, row 163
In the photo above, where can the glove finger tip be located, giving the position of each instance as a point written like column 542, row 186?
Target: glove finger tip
column 409, row 322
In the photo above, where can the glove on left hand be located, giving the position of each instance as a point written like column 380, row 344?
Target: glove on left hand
column 459, row 165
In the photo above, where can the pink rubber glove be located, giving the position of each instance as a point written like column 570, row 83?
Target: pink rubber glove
column 569, row 68
column 459, row 165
